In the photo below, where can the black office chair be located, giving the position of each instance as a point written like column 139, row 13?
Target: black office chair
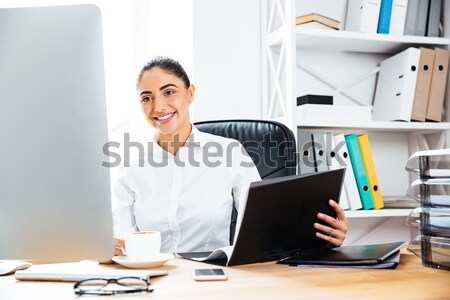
column 271, row 145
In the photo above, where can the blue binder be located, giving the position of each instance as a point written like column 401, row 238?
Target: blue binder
column 359, row 171
column 385, row 16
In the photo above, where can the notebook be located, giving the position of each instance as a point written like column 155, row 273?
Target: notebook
column 370, row 256
column 278, row 219
column 81, row 270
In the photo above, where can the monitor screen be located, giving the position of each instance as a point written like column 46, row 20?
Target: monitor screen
column 54, row 193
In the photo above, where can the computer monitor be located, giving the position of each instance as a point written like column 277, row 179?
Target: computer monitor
column 54, row 193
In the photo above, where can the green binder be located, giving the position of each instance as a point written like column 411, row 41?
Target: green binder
column 359, row 171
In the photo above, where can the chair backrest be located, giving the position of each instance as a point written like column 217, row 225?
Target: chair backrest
column 270, row 144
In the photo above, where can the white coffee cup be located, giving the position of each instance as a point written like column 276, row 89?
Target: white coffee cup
column 143, row 245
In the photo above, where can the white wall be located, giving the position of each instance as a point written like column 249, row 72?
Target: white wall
column 217, row 41
column 162, row 27
column 118, row 45
column 227, row 59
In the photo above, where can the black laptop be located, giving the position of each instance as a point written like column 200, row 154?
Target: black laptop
column 278, row 219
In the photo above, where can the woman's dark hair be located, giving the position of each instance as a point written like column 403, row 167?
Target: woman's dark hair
column 167, row 64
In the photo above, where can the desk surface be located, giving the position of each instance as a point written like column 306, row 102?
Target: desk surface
column 269, row 281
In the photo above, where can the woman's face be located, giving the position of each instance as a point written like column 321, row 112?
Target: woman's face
column 165, row 102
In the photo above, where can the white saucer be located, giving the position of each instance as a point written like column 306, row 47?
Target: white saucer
column 161, row 259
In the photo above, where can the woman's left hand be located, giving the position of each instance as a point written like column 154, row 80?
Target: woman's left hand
column 337, row 229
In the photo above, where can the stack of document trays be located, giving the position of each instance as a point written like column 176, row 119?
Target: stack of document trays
column 432, row 218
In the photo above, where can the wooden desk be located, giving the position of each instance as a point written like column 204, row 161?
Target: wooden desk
column 268, row 281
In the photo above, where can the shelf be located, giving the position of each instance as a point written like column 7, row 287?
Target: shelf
column 378, row 213
column 422, row 127
column 345, row 64
column 335, row 40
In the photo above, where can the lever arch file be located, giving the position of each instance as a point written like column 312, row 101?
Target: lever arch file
column 306, row 162
column 423, row 84
column 320, row 158
column 422, row 18
column 359, row 171
column 369, row 166
column 398, row 17
column 362, row 15
column 438, row 84
column 351, row 188
column 394, row 95
column 412, row 14
column 333, row 162
column 385, row 16
column 416, row 17
column 434, row 17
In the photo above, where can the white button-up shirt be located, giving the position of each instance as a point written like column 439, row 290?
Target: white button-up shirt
column 188, row 197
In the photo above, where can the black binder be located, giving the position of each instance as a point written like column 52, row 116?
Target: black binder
column 278, row 220
column 348, row 256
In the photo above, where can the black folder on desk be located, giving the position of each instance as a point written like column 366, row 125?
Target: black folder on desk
column 278, row 219
column 384, row 256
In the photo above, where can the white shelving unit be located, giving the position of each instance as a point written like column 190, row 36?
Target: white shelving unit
column 379, row 213
column 334, row 40
column 299, row 61
column 377, row 126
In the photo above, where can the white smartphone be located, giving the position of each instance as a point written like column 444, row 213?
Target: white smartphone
column 209, row 274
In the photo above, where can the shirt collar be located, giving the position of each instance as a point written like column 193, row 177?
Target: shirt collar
column 196, row 138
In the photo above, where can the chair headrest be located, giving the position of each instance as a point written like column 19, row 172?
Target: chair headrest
column 270, row 144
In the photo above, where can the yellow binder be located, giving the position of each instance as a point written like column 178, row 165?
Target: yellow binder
column 366, row 154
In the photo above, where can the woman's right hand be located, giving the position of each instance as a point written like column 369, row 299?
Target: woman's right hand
column 119, row 245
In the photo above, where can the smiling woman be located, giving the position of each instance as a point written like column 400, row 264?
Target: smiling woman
column 188, row 200
column 165, row 93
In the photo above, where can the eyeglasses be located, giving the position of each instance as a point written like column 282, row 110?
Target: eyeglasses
column 103, row 286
